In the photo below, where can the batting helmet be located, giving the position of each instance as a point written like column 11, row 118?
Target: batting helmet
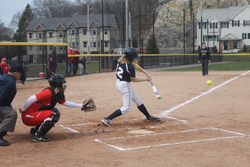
column 57, row 80
column 130, row 54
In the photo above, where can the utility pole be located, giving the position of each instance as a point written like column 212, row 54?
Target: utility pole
column 201, row 23
column 184, row 40
column 88, row 25
column 140, row 28
column 193, row 33
column 153, row 31
column 127, row 27
column 102, row 43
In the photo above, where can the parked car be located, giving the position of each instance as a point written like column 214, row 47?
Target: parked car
column 15, row 60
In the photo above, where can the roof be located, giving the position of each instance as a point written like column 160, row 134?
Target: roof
column 229, row 36
column 79, row 20
column 221, row 14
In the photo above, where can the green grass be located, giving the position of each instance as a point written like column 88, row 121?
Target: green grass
column 232, row 66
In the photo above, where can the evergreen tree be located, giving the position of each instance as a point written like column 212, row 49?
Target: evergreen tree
column 26, row 18
column 152, row 47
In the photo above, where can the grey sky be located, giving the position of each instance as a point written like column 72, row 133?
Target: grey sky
column 11, row 7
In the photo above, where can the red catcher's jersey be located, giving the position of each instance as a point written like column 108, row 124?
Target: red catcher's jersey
column 43, row 98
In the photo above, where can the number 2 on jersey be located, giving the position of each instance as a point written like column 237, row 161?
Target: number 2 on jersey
column 119, row 72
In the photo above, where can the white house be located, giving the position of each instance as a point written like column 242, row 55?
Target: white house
column 227, row 29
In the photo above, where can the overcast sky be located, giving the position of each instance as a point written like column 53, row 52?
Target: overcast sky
column 11, row 7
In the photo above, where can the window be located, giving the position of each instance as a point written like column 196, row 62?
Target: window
column 247, row 22
column 84, row 44
column 31, row 48
column 40, row 35
column 50, row 34
column 214, row 25
column 235, row 44
column 98, row 44
column 40, row 47
column 90, row 32
column 106, row 44
column 61, row 47
column 91, row 44
column 248, row 35
column 210, row 38
column 94, row 31
column 245, row 35
column 94, row 44
column 73, row 43
column 60, row 34
column 50, row 47
column 30, row 35
column 44, row 35
column 98, row 31
column 84, row 32
column 106, row 31
column 76, row 32
column 73, row 32
column 64, row 34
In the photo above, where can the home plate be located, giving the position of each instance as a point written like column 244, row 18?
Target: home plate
column 141, row 131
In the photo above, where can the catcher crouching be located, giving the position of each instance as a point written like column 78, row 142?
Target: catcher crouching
column 39, row 110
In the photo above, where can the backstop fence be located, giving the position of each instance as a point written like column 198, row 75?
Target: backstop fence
column 37, row 61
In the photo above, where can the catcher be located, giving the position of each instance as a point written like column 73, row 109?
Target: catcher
column 39, row 110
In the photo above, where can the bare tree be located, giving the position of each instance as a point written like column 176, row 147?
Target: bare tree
column 53, row 8
column 5, row 32
column 15, row 19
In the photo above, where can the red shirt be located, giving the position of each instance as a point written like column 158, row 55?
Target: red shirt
column 5, row 68
column 44, row 98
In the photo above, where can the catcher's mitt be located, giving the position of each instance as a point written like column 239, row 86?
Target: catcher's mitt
column 88, row 105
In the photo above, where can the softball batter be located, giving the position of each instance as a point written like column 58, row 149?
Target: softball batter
column 125, row 73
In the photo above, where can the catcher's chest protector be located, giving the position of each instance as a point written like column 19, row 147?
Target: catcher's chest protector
column 54, row 99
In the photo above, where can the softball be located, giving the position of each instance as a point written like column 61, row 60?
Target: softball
column 209, row 82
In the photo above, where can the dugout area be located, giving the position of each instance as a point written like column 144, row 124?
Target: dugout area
column 201, row 125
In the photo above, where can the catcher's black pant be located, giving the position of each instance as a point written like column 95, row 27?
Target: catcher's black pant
column 204, row 66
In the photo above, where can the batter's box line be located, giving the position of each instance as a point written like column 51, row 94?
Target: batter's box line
column 112, row 130
column 239, row 135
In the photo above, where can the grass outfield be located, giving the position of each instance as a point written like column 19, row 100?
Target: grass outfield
column 232, row 66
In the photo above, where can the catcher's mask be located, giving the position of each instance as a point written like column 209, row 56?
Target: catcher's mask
column 130, row 54
column 59, row 81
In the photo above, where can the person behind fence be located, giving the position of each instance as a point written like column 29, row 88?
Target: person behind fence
column 75, row 61
column 82, row 65
column 204, row 59
column 115, row 59
column 54, row 56
column 50, row 66
column 8, row 115
column 4, row 65
column 70, row 61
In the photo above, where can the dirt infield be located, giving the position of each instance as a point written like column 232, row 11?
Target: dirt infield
column 203, row 126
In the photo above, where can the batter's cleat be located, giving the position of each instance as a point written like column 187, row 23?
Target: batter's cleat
column 153, row 119
column 4, row 142
column 40, row 139
column 106, row 122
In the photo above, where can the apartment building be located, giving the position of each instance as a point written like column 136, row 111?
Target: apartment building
column 73, row 31
column 227, row 29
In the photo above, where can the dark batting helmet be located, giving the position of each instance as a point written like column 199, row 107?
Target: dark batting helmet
column 57, row 80
column 130, row 54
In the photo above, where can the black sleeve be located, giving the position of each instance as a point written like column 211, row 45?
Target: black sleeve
column 1, row 70
column 208, row 54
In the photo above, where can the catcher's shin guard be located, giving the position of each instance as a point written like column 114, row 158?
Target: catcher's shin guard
column 45, row 127
column 49, row 123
